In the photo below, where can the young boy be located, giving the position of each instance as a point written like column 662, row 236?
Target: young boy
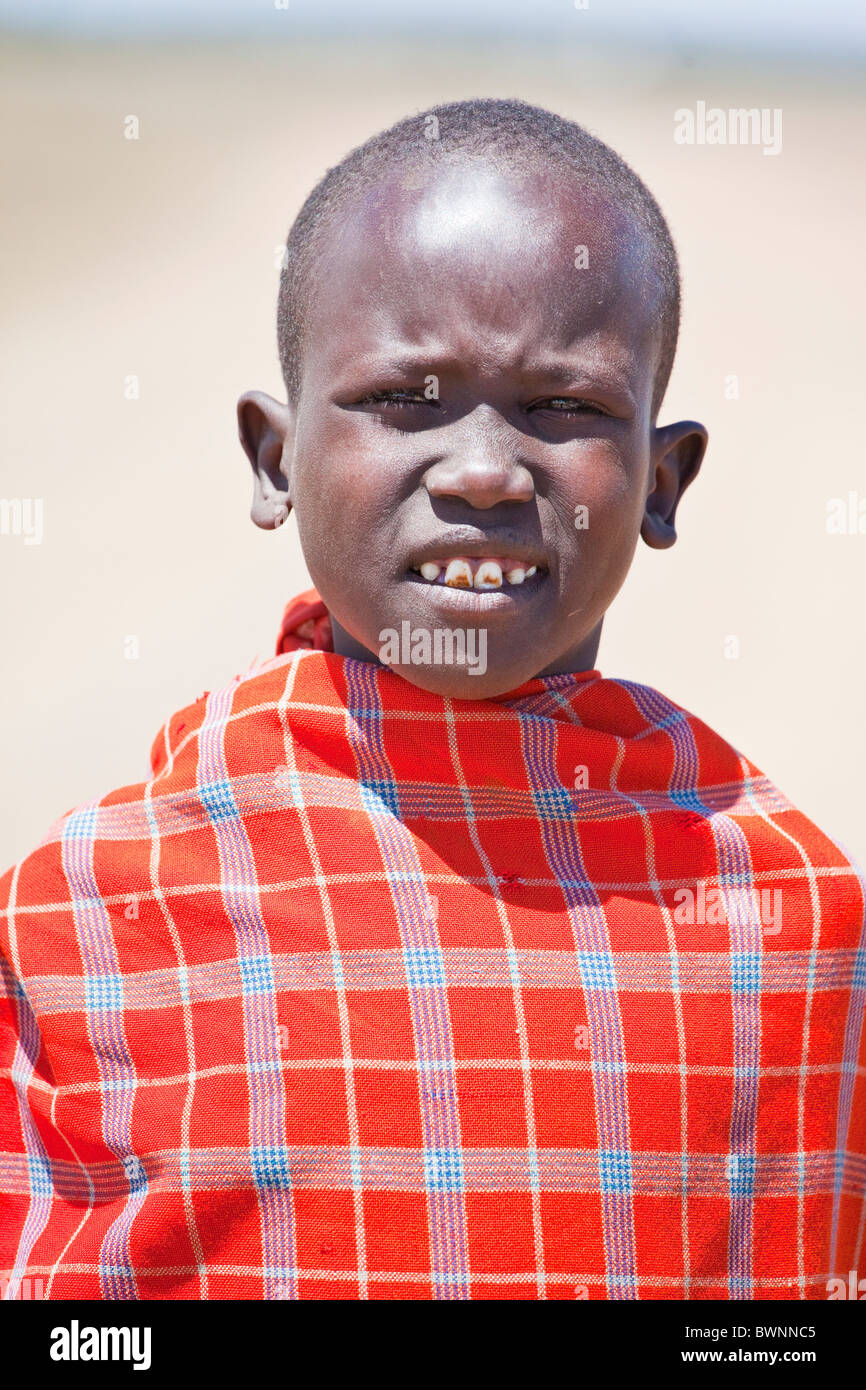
column 431, row 963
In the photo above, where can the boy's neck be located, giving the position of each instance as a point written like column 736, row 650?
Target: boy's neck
column 583, row 659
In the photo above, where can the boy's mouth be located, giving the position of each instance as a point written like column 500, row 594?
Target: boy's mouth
column 475, row 572
column 471, row 562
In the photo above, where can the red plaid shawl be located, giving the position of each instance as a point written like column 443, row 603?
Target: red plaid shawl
column 370, row 993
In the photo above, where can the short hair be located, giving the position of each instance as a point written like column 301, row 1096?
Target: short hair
column 505, row 132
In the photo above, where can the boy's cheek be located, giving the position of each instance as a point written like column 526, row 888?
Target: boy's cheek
column 607, row 508
column 340, row 473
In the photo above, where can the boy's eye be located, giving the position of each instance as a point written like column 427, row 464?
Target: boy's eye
column 399, row 397
column 568, row 405
column 403, row 397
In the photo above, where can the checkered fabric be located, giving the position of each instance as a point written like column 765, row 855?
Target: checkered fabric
column 368, row 993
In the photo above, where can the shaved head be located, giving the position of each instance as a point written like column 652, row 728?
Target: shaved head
column 488, row 136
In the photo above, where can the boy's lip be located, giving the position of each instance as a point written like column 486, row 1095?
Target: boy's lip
column 487, row 603
column 477, row 546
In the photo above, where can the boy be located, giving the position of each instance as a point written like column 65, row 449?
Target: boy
column 430, row 963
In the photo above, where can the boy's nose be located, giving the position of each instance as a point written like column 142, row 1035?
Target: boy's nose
column 482, row 466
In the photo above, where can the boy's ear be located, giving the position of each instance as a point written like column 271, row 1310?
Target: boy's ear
column 676, row 454
column 266, row 429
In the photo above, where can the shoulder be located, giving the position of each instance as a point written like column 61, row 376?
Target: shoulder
column 99, row 861
column 705, row 771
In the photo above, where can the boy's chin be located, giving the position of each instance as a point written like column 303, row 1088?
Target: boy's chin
column 463, row 682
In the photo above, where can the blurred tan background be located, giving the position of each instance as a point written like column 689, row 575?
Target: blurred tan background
column 156, row 258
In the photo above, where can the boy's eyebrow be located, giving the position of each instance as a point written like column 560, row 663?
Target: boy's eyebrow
column 554, row 370
column 403, row 365
column 574, row 373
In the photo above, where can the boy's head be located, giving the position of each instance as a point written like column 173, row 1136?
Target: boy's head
column 477, row 321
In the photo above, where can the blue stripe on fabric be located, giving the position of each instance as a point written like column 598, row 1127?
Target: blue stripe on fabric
column 136, row 1173
column 80, row 825
column 745, row 971
column 553, row 803
column 446, row 1277
column 337, row 967
column 218, row 800
column 443, row 1170
column 425, row 968
column 361, row 712
column 103, row 991
column 614, row 1170
column 687, row 798
column 597, row 969
column 85, row 902
column 380, row 796
column 39, row 1169
column 742, row 1175
column 257, row 974
column 271, row 1166
column 261, row 1068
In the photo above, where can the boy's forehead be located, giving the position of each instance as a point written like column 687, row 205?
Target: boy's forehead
column 521, row 261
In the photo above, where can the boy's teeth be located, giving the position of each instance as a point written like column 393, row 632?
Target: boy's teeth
column 458, row 575
column 465, row 573
column 488, row 575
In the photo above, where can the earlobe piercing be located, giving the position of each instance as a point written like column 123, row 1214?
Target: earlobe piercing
column 281, row 514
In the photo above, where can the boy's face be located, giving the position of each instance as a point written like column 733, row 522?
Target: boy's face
column 475, row 388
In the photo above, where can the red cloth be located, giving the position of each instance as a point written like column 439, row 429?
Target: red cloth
column 371, row 993
column 306, row 625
